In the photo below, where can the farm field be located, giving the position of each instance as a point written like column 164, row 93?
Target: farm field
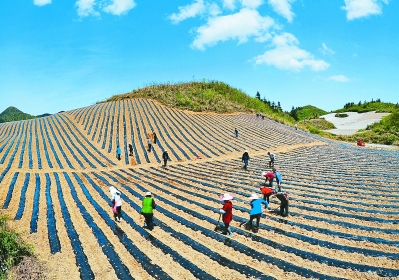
column 55, row 173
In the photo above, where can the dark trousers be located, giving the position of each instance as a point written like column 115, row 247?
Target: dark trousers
column 148, row 220
column 271, row 162
column 118, row 156
column 266, row 197
column 252, row 217
column 118, row 213
column 155, row 140
column 149, row 147
column 284, row 209
column 164, row 162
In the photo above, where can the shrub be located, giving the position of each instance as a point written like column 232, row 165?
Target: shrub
column 341, row 115
column 12, row 248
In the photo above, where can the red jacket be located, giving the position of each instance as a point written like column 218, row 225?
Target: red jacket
column 228, row 216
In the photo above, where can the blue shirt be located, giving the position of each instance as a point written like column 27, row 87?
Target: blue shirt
column 118, row 151
column 279, row 178
column 256, row 206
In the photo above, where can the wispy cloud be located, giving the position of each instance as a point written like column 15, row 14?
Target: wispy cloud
column 41, row 2
column 286, row 55
column 229, row 4
column 326, row 50
column 339, row 78
column 86, row 8
column 252, row 4
column 362, row 8
column 188, row 11
column 239, row 26
column 283, row 8
column 118, row 7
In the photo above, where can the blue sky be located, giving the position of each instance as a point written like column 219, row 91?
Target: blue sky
column 61, row 55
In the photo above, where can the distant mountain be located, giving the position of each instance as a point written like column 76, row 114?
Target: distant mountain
column 13, row 114
column 378, row 106
column 306, row 112
column 43, row 115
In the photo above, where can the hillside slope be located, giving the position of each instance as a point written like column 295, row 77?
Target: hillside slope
column 55, row 174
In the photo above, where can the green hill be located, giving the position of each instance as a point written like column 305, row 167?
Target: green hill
column 211, row 96
column 306, row 112
column 380, row 107
column 13, row 114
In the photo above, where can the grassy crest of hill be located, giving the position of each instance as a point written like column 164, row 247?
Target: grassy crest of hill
column 13, row 114
column 380, row 107
column 211, row 96
column 306, row 112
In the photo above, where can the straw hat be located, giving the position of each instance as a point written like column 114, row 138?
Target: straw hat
column 148, row 193
column 227, row 196
column 254, row 196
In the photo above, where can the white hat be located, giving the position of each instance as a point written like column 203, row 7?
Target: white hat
column 147, row 193
column 264, row 173
column 246, row 151
column 227, row 196
column 254, row 196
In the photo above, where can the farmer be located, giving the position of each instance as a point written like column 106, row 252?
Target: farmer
column 118, row 153
column 272, row 157
column 227, row 212
column 245, row 159
column 284, row 198
column 154, row 135
column 147, row 210
column 256, row 210
column 279, row 179
column 269, row 176
column 116, row 203
column 165, row 157
column 149, row 144
column 130, row 150
column 236, row 132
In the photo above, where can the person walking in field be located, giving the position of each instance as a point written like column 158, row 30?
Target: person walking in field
column 116, row 203
column 154, row 135
column 279, row 179
column 245, row 159
column 147, row 210
column 118, row 153
column 227, row 212
column 165, row 157
column 130, row 150
column 149, row 144
column 236, row 132
column 272, row 157
column 256, row 211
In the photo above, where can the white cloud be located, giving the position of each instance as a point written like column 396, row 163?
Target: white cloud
column 188, row 11
column 229, row 4
column 118, row 7
column 252, row 4
column 288, row 56
column 239, row 26
column 339, row 78
column 86, row 8
column 41, row 2
column 326, row 50
column 283, row 8
column 362, row 8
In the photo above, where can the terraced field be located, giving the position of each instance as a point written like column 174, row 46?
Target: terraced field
column 55, row 173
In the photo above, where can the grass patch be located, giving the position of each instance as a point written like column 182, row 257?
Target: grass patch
column 207, row 96
column 13, row 248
